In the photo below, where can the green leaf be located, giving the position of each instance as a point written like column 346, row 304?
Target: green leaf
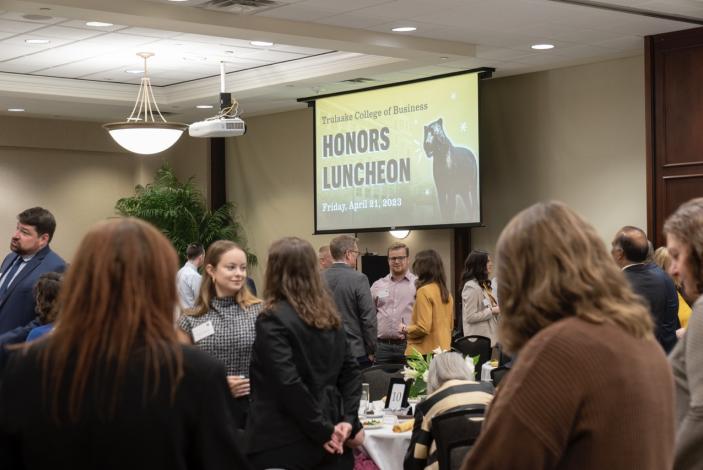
column 180, row 211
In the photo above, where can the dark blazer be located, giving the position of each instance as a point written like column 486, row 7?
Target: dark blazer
column 650, row 282
column 303, row 382
column 17, row 306
column 195, row 431
column 352, row 294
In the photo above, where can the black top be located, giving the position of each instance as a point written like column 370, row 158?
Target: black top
column 193, row 432
column 649, row 281
column 303, row 382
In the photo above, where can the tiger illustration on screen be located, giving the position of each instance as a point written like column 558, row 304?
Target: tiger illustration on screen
column 455, row 172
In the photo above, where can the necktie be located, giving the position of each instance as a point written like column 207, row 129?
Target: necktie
column 10, row 274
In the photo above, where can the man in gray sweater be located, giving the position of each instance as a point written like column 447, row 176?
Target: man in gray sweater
column 352, row 294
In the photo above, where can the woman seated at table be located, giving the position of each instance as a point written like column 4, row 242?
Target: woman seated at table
column 591, row 388
column 449, row 384
column 433, row 313
column 305, row 381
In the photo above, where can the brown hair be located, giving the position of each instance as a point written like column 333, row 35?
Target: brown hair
column 687, row 225
column 293, row 275
column 207, row 287
column 552, row 265
column 398, row 246
column 428, row 268
column 118, row 293
column 46, row 291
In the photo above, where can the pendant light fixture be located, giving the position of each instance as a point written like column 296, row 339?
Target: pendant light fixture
column 141, row 133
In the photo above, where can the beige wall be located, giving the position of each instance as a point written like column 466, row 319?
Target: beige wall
column 573, row 134
column 75, row 170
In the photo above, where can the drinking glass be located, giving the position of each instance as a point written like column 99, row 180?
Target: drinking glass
column 365, row 396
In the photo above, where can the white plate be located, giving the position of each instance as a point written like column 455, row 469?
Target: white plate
column 376, row 416
column 373, row 426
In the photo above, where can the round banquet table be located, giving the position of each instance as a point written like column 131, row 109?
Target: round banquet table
column 385, row 447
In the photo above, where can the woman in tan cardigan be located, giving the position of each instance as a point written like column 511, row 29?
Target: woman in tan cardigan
column 479, row 308
column 433, row 314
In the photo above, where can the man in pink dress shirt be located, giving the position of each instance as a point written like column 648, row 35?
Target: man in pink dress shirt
column 394, row 297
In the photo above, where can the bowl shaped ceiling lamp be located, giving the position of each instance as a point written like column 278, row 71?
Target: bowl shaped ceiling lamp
column 141, row 133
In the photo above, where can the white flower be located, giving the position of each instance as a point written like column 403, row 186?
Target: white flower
column 409, row 374
column 438, row 350
column 470, row 364
column 425, row 375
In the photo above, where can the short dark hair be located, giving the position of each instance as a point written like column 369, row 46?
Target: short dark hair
column 46, row 291
column 194, row 250
column 398, row 246
column 41, row 219
column 633, row 243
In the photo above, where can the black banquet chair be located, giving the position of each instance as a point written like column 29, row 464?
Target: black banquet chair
column 474, row 345
column 498, row 374
column 455, row 432
column 378, row 377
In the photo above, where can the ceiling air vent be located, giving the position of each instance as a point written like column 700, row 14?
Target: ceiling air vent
column 242, row 7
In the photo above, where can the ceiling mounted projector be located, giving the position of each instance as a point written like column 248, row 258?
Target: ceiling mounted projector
column 227, row 123
column 219, row 127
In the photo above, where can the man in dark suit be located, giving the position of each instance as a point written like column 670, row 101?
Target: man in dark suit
column 629, row 249
column 352, row 294
column 30, row 258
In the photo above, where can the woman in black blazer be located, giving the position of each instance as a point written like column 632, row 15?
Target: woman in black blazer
column 305, row 382
column 111, row 387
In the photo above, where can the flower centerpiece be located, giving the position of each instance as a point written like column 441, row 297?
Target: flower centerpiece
column 419, row 367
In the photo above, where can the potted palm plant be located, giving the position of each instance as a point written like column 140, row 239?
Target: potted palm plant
column 180, row 211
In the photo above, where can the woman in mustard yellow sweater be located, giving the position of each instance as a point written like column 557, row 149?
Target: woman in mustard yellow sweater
column 433, row 314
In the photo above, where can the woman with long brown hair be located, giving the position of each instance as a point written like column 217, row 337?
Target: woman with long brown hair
column 479, row 308
column 222, row 321
column 684, row 240
column 591, row 388
column 433, row 313
column 305, row 380
column 112, row 387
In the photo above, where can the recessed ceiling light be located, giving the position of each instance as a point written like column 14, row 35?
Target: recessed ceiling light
column 404, row 29
column 204, row 106
column 542, row 47
column 261, row 43
column 37, row 41
column 98, row 24
column 195, row 58
column 134, row 71
column 16, row 110
column 444, row 57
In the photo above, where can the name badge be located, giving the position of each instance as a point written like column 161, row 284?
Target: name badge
column 383, row 294
column 486, row 303
column 203, row 331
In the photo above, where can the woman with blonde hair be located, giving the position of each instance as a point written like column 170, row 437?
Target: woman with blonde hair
column 591, row 388
column 306, row 382
column 684, row 240
column 432, row 320
column 662, row 259
column 222, row 321
column 111, row 387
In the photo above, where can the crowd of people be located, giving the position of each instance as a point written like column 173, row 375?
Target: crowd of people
column 128, row 361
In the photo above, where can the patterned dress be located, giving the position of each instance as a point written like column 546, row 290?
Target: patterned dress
column 234, row 333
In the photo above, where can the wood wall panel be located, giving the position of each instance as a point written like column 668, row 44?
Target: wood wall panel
column 674, row 87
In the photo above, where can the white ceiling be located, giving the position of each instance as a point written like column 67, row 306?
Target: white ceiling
column 81, row 72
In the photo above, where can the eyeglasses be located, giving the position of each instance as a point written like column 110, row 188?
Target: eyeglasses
column 393, row 259
column 354, row 251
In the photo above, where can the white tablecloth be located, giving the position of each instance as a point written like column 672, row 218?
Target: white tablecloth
column 486, row 369
column 387, row 448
